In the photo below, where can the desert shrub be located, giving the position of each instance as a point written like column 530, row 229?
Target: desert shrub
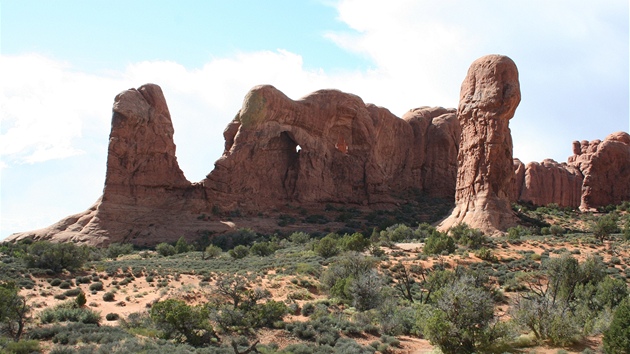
column 112, row 316
column 72, row 292
column 213, row 251
column 355, row 242
column 438, row 243
column 13, row 311
column 181, row 322
column 463, row 318
column 65, row 285
column 83, row 280
column 617, row 337
column 98, row 286
column 164, row 249
column 299, row 237
column 626, row 229
column 466, row 236
column 354, row 279
column 182, row 246
column 23, row 347
column 239, row 252
column 69, row 312
column 117, row 249
column 109, row 296
column 55, row 282
column 262, row 249
column 486, row 255
column 604, row 226
column 515, row 233
column 556, row 230
column 56, row 256
column 230, row 240
column 80, row 299
column 570, row 301
column 397, row 233
column 327, row 247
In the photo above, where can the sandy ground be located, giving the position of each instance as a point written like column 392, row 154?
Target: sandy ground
column 138, row 295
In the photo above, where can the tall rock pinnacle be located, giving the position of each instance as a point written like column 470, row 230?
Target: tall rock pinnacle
column 488, row 99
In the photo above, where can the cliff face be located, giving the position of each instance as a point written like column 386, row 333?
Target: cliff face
column 330, row 147
column 597, row 174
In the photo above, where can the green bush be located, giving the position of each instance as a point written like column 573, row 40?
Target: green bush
column 262, row 249
column 556, row 230
column 80, row 300
column 56, row 256
column 98, row 286
column 604, row 226
column 355, row 242
column 181, row 246
column 617, row 337
column 213, row 251
column 164, row 249
column 239, row 252
column 72, row 292
column 69, row 312
column 117, row 249
column 299, row 237
column 327, row 247
column 109, row 296
column 439, row 243
column 23, row 347
column 183, row 323
column 462, row 321
column 112, row 316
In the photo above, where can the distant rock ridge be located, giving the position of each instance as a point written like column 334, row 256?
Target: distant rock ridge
column 597, row 174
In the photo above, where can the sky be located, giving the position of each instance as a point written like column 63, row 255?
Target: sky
column 63, row 62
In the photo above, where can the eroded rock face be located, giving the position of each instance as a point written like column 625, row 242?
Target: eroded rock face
column 146, row 198
column 328, row 147
column 597, row 174
column 551, row 182
column 489, row 96
column 606, row 169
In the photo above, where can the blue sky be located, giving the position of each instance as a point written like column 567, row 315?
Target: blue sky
column 62, row 62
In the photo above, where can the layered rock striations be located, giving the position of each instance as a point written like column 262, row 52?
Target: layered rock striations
column 489, row 96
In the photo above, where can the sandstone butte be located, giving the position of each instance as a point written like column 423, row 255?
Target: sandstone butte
column 331, row 147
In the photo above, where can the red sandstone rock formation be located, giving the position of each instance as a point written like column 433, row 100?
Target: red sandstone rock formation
column 489, row 96
column 328, row 147
column 597, row 174
column 606, row 169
